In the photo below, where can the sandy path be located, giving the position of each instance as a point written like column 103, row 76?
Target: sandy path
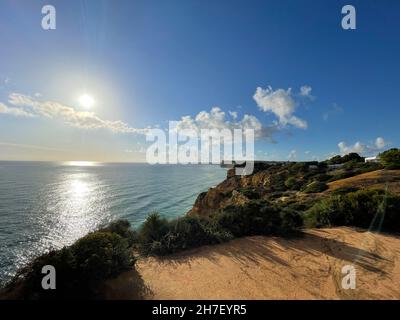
column 275, row 268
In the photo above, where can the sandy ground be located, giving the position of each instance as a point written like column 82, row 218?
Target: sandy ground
column 275, row 268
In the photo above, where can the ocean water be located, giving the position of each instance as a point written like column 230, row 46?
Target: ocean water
column 49, row 205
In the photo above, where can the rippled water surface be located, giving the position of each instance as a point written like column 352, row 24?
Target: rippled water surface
column 49, row 205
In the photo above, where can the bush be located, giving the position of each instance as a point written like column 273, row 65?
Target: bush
column 343, row 175
column 351, row 157
column 151, row 231
column 391, row 158
column 81, row 268
column 344, row 190
column 291, row 222
column 249, row 193
column 101, row 255
column 363, row 208
column 195, row 231
column 315, row 187
column 122, row 228
column 159, row 236
column 323, row 177
column 292, row 183
column 298, row 167
column 257, row 218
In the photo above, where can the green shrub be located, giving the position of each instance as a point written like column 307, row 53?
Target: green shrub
column 122, row 228
column 298, row 167
column 327, row 213
column 101, row 255
column 344, row 190
column 179, row 234
column 361, row 167
column 257, row 218
column 315, row 187
column 323, row 177
column 152, row 230
column 81, row 268
column 196, row 231
column 249, row 193
column 343, row 175
column 351, row 157
column 391, row 158
column 364, row 208
column 335, row 160
column 250, row 219
column 291, row 222
column 292, row 183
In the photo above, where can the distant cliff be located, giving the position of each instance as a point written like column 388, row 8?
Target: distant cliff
column 292, row 183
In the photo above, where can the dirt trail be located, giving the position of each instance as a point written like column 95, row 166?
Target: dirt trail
column 276, row 268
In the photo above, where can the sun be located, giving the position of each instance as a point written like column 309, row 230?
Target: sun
column 86, row 101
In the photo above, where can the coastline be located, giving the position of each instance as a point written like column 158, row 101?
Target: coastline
column 245, row 240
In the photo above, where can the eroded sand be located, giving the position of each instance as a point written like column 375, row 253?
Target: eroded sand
column 276, row 268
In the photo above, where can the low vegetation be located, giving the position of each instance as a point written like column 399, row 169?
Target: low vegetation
column 159, row 236
column 315, row 186
column 351, row 157
column 391, row 158
column 81, row 268
column 374, row 209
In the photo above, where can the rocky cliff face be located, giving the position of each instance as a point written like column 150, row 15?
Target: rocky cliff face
column 267, row 182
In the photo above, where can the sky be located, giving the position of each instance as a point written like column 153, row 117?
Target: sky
column 286, row 68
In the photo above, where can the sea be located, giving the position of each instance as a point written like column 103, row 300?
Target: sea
column 48, row 205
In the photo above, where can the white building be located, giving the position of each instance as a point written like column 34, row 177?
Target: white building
column 372, row 159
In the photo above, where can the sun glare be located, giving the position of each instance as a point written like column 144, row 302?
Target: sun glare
column 86, row 101
column 81, row 163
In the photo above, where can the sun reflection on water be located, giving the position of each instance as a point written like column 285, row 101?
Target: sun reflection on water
column 79, row 189
column 75, row 206
column 82, row 163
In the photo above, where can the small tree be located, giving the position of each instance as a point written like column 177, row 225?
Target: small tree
column 391, row 158
column 355, row 157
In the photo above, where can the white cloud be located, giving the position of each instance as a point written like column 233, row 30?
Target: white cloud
column 216, row 119
column 17, row 112
column 233, row 114
column 358, row 147
column 380, row 143
column 281, row 103
column 24, row 105
column 361, row 148
column 305, row 91
column 292, row 155
column 72, row 117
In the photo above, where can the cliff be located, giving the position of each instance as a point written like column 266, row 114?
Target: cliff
column 298, row 184
column 274, row 182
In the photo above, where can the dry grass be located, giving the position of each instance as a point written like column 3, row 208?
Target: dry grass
column 379, row 179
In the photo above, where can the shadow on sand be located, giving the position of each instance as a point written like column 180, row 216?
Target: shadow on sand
column 258, row 249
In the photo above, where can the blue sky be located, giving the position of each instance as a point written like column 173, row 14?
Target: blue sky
column 148, row 62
